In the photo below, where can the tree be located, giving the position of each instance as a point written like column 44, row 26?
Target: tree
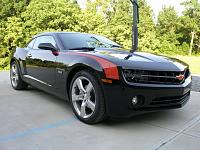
column 21, row 19
column 93, row 17
column 113, row 18
column 119, row 22
column 50, row 15
column 147, row 34
column 9, row 8
column 167, row 26
column 10, row 27
column 40, row 15
column 191, row 24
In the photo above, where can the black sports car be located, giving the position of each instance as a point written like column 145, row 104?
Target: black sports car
column 99, row 77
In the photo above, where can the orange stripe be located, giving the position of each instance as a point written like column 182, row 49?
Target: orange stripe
column 109, row 68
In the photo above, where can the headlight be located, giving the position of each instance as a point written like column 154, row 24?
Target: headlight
column 133, row 75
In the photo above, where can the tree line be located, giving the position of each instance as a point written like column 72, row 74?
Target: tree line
column 168, row 34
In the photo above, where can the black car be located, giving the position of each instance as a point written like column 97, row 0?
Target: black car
column 99, row 77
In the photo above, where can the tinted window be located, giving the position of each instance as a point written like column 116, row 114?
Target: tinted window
column 30, row 44
column 44, row 39
column 74, row 40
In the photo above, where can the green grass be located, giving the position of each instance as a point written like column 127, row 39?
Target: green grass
column 193, row 61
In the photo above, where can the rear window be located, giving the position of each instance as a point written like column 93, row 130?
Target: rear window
column 31, row 43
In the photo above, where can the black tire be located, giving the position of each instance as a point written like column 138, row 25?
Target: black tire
column 20, row 84
column 99, row 113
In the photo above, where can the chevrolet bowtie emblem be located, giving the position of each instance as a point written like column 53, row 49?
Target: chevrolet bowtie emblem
column 180, row 77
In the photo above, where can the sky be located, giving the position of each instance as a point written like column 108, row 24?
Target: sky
column 157, row 5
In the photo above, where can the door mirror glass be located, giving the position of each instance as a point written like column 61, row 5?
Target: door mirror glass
column 47, row 46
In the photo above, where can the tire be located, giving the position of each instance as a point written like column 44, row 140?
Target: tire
column 87, row 98
column 15, row 78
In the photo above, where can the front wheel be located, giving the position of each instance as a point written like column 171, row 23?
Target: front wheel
column 15, row 78
column 87, row 98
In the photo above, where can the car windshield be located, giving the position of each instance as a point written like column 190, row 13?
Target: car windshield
column 78, row 40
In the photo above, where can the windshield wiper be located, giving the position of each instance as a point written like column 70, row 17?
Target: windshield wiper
column 107, row 44
column 83, row 48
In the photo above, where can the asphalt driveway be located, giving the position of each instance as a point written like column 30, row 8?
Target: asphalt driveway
column 34, row 120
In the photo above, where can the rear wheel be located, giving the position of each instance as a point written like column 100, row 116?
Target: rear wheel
column 87, row 98
column 15, row 78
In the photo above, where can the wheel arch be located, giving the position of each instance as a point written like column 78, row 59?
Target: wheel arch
column 12, row 60
column 77, row 68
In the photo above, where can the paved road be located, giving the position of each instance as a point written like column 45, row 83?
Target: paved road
column 34, row 120
column 196, row 83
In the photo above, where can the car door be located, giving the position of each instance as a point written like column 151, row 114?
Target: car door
column 41, row 64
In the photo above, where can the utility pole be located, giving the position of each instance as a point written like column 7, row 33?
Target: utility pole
column 135, row 25
column 191, row 43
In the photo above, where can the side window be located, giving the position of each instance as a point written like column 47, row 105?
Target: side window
column 31, row 43
column 44, row 39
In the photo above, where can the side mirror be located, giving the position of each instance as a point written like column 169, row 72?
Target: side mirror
column 47, row 46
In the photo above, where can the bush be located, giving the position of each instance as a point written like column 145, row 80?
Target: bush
column 183, row 49
column 4, row 63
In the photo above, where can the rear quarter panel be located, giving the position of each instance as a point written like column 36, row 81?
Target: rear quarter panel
column 20, row 56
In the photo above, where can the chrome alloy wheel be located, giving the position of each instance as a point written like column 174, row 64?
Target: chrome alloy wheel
column 83, row 97
column 14, row 75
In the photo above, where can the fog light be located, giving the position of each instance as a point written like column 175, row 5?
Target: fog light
column 135, row 100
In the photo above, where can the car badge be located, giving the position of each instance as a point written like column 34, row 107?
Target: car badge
column 180, row 77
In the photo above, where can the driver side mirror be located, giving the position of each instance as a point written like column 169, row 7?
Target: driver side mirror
column 47, row 46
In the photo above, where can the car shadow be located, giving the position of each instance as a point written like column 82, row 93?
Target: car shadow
column 158, row 116
column 144, row 118
column 64, row 104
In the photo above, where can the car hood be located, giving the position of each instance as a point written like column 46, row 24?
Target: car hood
column 140, row 60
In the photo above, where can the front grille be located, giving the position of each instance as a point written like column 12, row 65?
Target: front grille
column 166, row 103
column 155, row 77
column 169, row 100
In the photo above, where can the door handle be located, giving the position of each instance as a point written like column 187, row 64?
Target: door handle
column 29, row 55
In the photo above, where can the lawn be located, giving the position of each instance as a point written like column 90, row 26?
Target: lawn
column 193, row 61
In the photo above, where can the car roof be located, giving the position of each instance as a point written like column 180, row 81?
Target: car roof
column 52, row 33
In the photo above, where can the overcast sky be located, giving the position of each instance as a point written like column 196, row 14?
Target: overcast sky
column 157, row 5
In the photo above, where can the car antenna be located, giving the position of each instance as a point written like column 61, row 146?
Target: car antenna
column 135, row 25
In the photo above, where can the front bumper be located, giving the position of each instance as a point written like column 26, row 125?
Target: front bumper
column 153, row 97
